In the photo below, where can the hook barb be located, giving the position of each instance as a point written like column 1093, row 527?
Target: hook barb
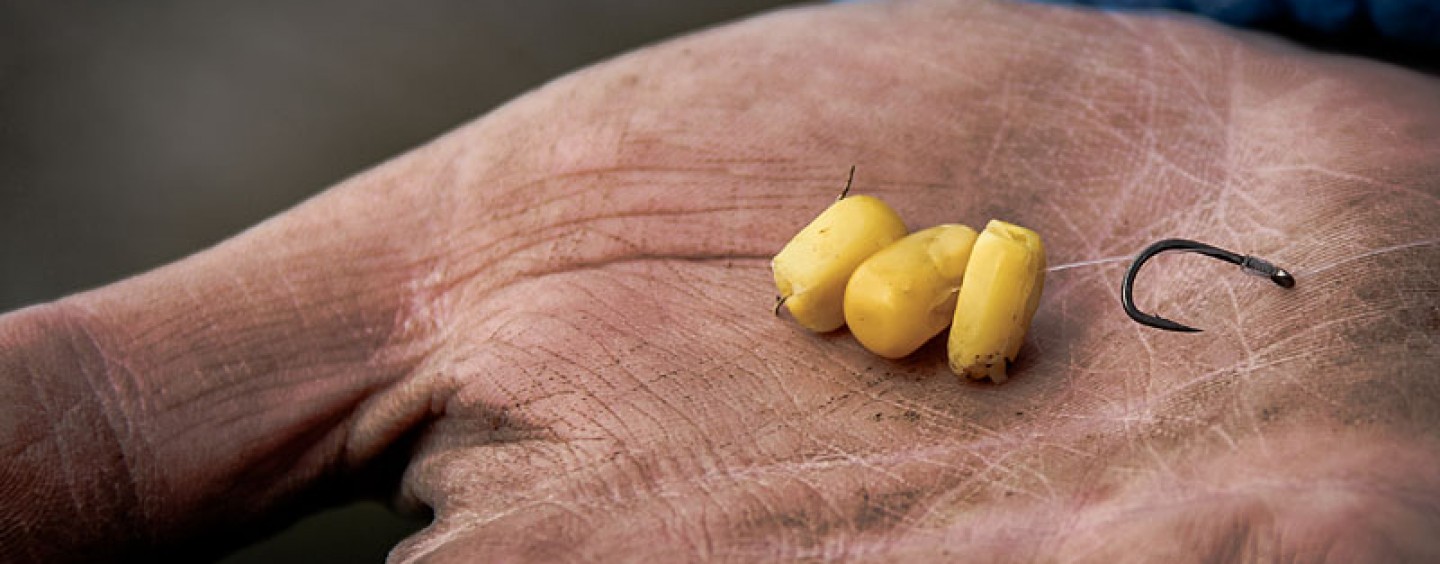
column 1250, row 265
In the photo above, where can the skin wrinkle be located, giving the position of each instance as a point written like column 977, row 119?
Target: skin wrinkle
column 630, row 252
column 63, row 450
column 1246, row 492
column 180, row 396
column 601, row 264
column 135, row 449
column 59, row 425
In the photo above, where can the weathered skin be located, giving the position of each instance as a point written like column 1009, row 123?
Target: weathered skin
column 566, row 304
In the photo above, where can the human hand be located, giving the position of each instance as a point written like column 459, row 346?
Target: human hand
column 565, row 305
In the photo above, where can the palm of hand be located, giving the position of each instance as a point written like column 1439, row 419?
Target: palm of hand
column 616, row 385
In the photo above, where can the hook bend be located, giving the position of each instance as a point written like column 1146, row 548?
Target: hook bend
column 1248, row 264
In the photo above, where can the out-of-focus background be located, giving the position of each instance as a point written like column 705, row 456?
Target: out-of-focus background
column 135, row 133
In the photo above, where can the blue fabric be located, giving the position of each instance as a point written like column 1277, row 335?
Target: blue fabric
column 1416, row 21
column 1326, row 17
column 1409, row 25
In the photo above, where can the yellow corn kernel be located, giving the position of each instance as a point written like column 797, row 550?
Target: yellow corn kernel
column 905, row 294
column 811, row 271
column 1003, row 282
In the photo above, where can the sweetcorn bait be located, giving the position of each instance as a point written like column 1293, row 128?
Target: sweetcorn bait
column 1003, row 282
column 813, row 268
column 905, row 294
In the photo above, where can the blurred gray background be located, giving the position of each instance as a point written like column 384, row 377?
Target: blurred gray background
column 135, row 133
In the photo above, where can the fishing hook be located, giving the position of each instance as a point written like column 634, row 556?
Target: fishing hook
column 1248, row 264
